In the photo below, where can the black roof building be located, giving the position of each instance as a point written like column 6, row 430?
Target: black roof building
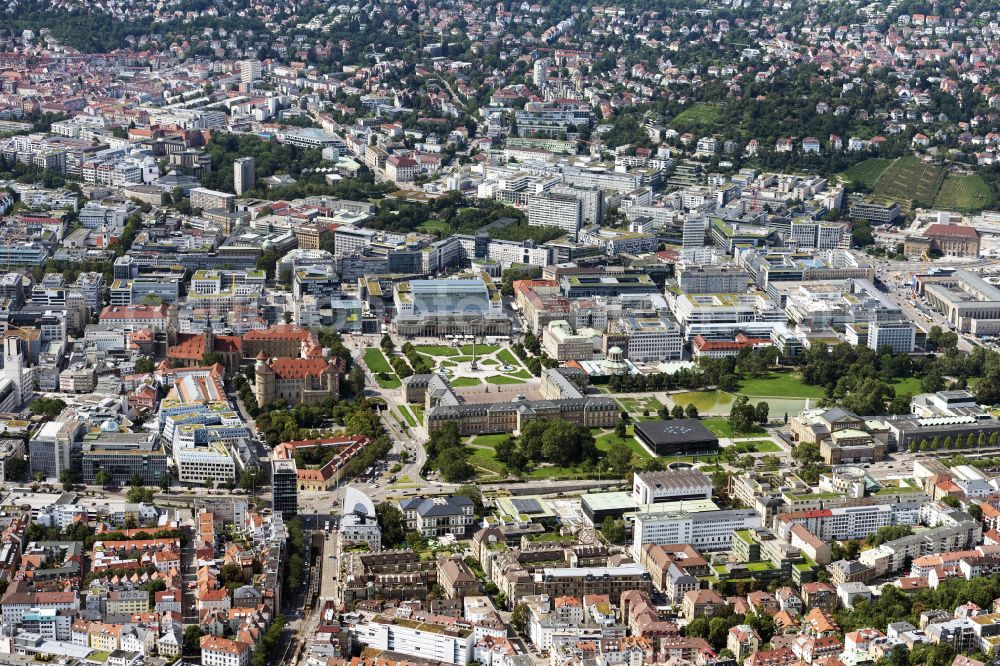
column 676, row 437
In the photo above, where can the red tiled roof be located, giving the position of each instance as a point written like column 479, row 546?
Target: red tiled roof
column 951, row 231
column 297, row 368
column 192, row 345
column 134, row 312
column 279, row 332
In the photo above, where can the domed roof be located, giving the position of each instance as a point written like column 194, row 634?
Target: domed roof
column 358, row 503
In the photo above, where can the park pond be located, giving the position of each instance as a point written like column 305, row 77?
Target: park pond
column 718, row 403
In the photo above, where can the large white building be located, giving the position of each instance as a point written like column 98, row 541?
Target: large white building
column 449, row 644
column 556, row 210
column 218, row 651
column 670, row 486
column 900, row 336
column 359, row 523
column 693, row 232
column 348, row 240
column 704, row 530
column 650, row 339
column 809, row 234
column 849, row 522
column 244, row 174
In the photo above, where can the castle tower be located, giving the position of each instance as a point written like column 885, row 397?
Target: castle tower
column 265, row 384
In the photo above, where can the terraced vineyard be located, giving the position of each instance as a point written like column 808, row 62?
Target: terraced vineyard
column 910, row 182
column 867, row 172
column 965, row 192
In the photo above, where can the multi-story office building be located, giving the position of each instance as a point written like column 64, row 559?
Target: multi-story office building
column 244, row 174
column 721, row 316
column 24, row 253
column 591, row 197
column 809, row 234
column 349, row 240
column 319, row 280
column 561, row 343
column 50, row 449
column 94, row 215
column 553, row 119
column 876, row 213
column 204, row 199
column 693, row 231
column 647, row 339
column 849, row 522
column 426, row 639
column 123, row 456
column 713, row 280
column 900, row 336
column 197, row 465
column 563, row 211
column 139, row 290
column 704, row 530
column 284, row 488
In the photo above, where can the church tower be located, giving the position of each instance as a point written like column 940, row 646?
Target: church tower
column 15, row 368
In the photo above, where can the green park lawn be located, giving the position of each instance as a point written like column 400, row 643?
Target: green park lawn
column 410, row 419
column 636, row 406
column 910, row 385
column 756, row 446
column 718, row 425
column 459, row 382
column 490, row 440
column 431, row 226
column 486, row 459
column 418, row 411
column 376, row 361
column 436, row 350
column 479, row 350
column 506, row 356
column 780, row 385
column 504, row 379
column 607, row 440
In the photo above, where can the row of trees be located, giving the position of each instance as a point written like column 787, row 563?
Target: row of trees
column 552, row 441
column 970, row 441
column 447, row 453
column 745, row 417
